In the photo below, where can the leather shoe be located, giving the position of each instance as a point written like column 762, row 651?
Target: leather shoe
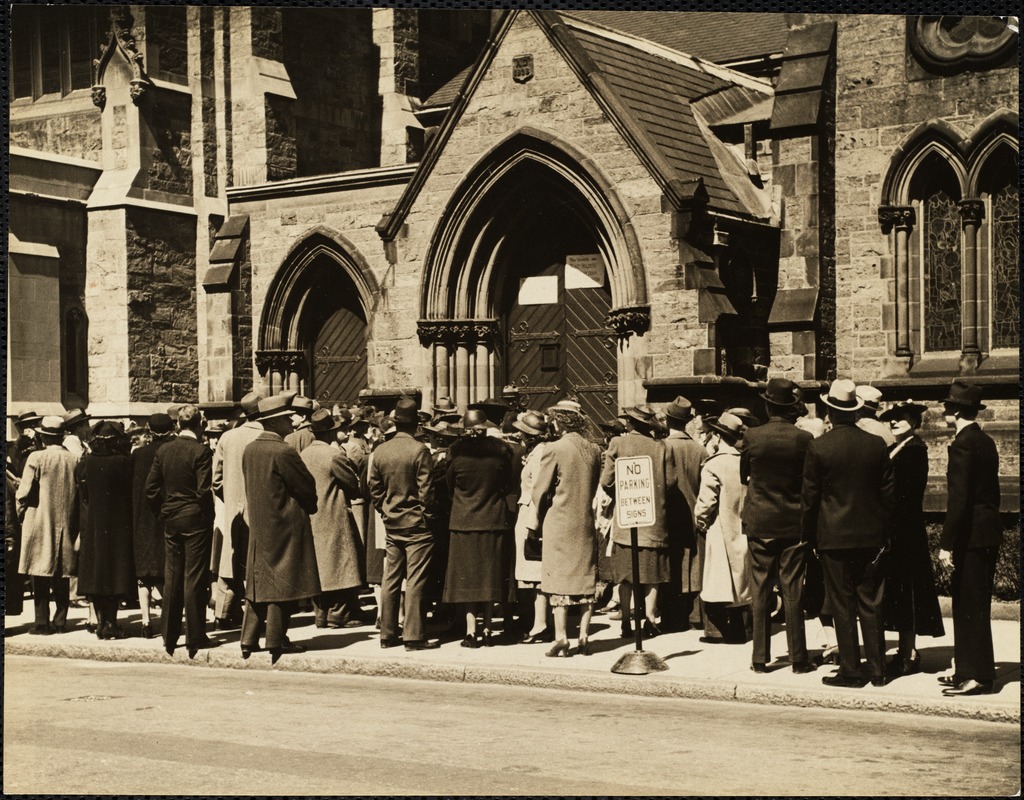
column 803, row 667
column 386, row 643
column 879, row 681
column 546, row 635
column 423, row 644
column 712, row 640
column 651, row 629
column 843, row 681
column 969, row 688
column 759, row 668
column 41, row 630
column 290, row 647
column 248, row 650
column 950, row 680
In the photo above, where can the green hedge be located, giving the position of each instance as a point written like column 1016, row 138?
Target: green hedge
column 1006, row 585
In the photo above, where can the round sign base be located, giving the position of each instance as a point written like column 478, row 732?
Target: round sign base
column 639, row 662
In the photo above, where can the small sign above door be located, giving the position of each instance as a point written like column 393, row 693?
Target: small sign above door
column 584, row 271
column 538, row 291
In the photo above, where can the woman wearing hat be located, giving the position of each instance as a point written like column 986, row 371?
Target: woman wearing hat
column 535, row 429
column 106, row 564
column 911, row 602
column 562, row 493
column 726, row 581
column 479, row 475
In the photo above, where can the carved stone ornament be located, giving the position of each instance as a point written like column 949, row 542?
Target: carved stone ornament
column 279, row 360
column 899, row 217
column 522, row 68
column 122, row 42
column 972, row 212
column 627, row 321
column 948, row 44
column 452, row 332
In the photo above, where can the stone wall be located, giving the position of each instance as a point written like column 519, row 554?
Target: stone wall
column 106, row 303
column 167, row 143
column 280, row 144
column 242, row 329
column 161, row 279
column 75, row 134
column 167, row 42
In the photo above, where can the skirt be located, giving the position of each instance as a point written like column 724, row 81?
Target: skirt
column 476, row 572
column 563, row 600
column 654, row 564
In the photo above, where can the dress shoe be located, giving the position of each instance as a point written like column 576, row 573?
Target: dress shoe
column 759, row 668
column 386, row 643
column 651, row 629
column 288, row 646
column 59, row 628
column 202, row 644
column 898, row 666
column 560, row 650
column 147, row 631
column 803, row 667
column 879, row 681
column 584, row 647
column 470, row 641
column 90, row 627
column 40, row 630
column 169, row 649
column 423, row 644
column 627, row 629
column 487, row 639
column 114, row 632
column 712, row 640
column 249, row 649
column 844, row 681
column 546, row 635
column 969, row 688
column 950, row 680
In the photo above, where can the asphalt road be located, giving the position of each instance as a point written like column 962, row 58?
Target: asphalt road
column 107, row 728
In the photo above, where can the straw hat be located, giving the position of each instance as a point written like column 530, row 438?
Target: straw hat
column 842, row 396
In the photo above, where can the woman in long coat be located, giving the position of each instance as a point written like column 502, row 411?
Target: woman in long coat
column 479, row 474
column 911, row 601
column 339, row 548
column 534, row 428
column 563, row 493
column 106, row 562
column 726, row 580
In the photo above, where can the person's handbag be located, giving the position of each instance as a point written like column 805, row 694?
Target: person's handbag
column 532, row 547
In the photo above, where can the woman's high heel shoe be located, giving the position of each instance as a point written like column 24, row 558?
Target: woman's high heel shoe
column 470, row 641
column 560, row 650
column 486, row 639
column 147, row 631
column 584, row 648
column 100, row 630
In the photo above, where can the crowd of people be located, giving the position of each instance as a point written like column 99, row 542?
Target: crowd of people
column 808, row 509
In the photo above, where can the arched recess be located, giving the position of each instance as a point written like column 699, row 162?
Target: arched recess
column 314, row 326
column 529, row 206
column 934, row 136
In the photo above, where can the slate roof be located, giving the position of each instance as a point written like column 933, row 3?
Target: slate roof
column 718, row 36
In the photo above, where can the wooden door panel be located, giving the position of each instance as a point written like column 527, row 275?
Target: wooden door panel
column 591, row 365
column 339, row 358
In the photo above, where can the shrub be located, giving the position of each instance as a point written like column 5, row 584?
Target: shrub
column 1006, row 585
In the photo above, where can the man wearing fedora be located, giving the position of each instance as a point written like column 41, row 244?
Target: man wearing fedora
column 400, row 487
column 76, row 431
column 179, row 485
column 229, row 485
column 867, row 416
column 847, row 499
column 339, row 549
column 685, row 456
column 302, row 412
column 47, row 504
column 772, row 465
column 281, row 567
column 970, row 541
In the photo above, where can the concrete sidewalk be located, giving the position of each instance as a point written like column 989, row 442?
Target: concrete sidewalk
column 696, row 669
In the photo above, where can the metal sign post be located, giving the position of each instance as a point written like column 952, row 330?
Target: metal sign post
column 634, row 503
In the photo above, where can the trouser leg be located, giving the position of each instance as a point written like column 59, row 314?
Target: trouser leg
column 973, row 574
column 174, row 585
column 277, row 616
column 254, row 619
column 792, row 576
column 870, row 590
column 762, row 562
column 41, row 600
column 61, row 600
column 196, row 586
column 391, row 588
column 417, row 551
column 840, row 584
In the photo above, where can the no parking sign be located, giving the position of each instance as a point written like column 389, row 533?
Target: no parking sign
column 634, row 492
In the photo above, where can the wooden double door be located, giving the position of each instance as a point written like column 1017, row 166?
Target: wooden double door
column 335, row 329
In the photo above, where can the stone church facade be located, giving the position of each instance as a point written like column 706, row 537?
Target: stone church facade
column 614, row 206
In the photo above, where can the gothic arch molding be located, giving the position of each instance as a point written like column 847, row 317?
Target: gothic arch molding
column 458, row 275
column 290, row 288
column 934, row 136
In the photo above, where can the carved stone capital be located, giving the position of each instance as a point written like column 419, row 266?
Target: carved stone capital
column 452, row 332
column 280, row 360
column 972, row 212
column 899, row 217
column 628, row 321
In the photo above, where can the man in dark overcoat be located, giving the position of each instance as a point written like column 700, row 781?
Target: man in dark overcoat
column 684, row 455
column 848, row 495
column 281, row 568
column 970, row 541
column 772, row 465
column 179, row 485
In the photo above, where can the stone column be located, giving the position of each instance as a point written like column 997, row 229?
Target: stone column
column 483, row 372
column 442, row 380
column 972, row 212
column 462, row 389
column 902, row 218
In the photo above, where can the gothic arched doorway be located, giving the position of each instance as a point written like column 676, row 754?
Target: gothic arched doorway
column 314, row 332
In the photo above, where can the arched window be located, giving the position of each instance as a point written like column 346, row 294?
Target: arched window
column 1000, row 245
column 937, row 254
column 76, row 355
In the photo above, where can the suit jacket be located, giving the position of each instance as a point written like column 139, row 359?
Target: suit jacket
column 772, row 466
column 685, row 456
column 179, row 482
column 972, row 480
column 48, row 500
column 280, row 494
column 339, row 548
column 301, row 438
column 479, row 476
column 848, row 490
column 636, row 444
column 229, row 484
column 400, row 483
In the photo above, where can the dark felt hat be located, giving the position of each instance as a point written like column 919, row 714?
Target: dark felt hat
column 323, row 421
column 475, row 419
column 903, row 409
column 963, row 393
column 532, row 423
column 160, row 424
column 781, row 392
column 28, row 419
column 679, row 409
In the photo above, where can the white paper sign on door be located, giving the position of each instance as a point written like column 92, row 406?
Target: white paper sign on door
column 538, row 290
column 584, row 271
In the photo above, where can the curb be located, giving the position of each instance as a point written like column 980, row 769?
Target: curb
column 1001, row 610
column 643, row 686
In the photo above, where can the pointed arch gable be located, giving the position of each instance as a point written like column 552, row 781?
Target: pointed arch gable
column 933, row 136
column 450, row 260
column 286, row 296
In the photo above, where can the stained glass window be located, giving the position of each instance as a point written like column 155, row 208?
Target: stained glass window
column 1002, row 186
column 942, row 272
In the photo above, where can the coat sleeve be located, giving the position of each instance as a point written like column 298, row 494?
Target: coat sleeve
column 959, row 496
column 374, row 484
column 888, row 486
column 217, row 478
column 204, row 479
column 543, row 484
column 810, row 497
column 707, row 498
column 608, row 468
column 425, row 483
column 28, row 489
column 155, row 484
column 297, row 478
column 344, row 474
column 745, row 467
